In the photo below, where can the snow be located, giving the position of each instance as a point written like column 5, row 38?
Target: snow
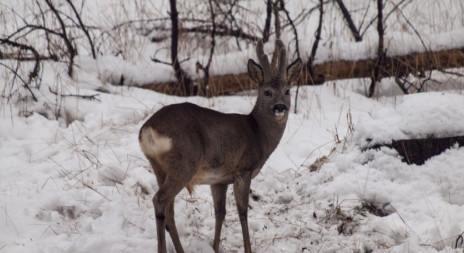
column 413, row 117
column 85, row 186
column 73, row 178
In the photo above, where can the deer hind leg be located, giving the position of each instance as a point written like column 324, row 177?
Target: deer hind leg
column 170, row 223
column 164, row 216
column 219, row 197
column 171, row 227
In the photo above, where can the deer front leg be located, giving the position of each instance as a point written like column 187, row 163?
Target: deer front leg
column 219, row 196
column 241, row 191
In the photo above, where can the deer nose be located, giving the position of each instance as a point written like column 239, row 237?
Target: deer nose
column 280, row 108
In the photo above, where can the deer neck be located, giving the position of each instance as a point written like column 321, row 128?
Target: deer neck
column 269, row 129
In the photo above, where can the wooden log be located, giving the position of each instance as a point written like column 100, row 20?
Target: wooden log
column 393, row 66
column 417, row 151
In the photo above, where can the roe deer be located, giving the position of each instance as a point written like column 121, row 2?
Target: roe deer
column 188, row 145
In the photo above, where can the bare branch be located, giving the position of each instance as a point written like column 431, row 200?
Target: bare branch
column 222, row 31
column 267, row 22
column 295, row 31
column 71, row 50
column 35, row 72
column 317, row 39
column 25, row 84
column 386, row 17
column 89, row 97
column 83, row 27
column 156, row 60
column 310, row 64
column 349, row 20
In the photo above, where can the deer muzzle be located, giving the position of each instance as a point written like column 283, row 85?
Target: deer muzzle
column 279, row 110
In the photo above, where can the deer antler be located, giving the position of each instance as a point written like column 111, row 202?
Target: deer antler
column 282, row 53
column 263, row 60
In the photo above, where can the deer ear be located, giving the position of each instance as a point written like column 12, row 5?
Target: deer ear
column 293, row 70
column 255, row 71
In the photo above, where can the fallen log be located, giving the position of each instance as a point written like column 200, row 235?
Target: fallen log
column 393, row 66
column 417, row 151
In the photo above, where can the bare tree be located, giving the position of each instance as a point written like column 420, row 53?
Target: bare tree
column 316, row 42
column 183, row 79
column 377, row 75
column 203, row 88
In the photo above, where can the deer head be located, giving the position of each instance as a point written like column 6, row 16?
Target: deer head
column 274, row 85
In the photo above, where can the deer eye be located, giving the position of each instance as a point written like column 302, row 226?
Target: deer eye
column 267, row 93
column 287, row 92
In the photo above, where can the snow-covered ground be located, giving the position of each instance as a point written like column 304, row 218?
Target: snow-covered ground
column 83, row 185
column 73, row 178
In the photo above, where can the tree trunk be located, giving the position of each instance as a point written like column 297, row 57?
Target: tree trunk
column 184, row 84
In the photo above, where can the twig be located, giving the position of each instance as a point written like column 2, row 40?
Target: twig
column 365, row 15
column 450, row 72
column 317, row 39
column 64, row 35
column 35, row 72
column 95, row 190
column 167, row 63
column 26, row 85
column 83, row 27
column 267, row 22
column 304, row 15
column 386, row 17
column 222, row 31
column 401, row 81
column 89, row 97
column 310, row 63
column 211, row 52
column 160, row 61
column 410, row 25
column 460, row 238
column 295, row 31
column 47, row 35
column 17, row 57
